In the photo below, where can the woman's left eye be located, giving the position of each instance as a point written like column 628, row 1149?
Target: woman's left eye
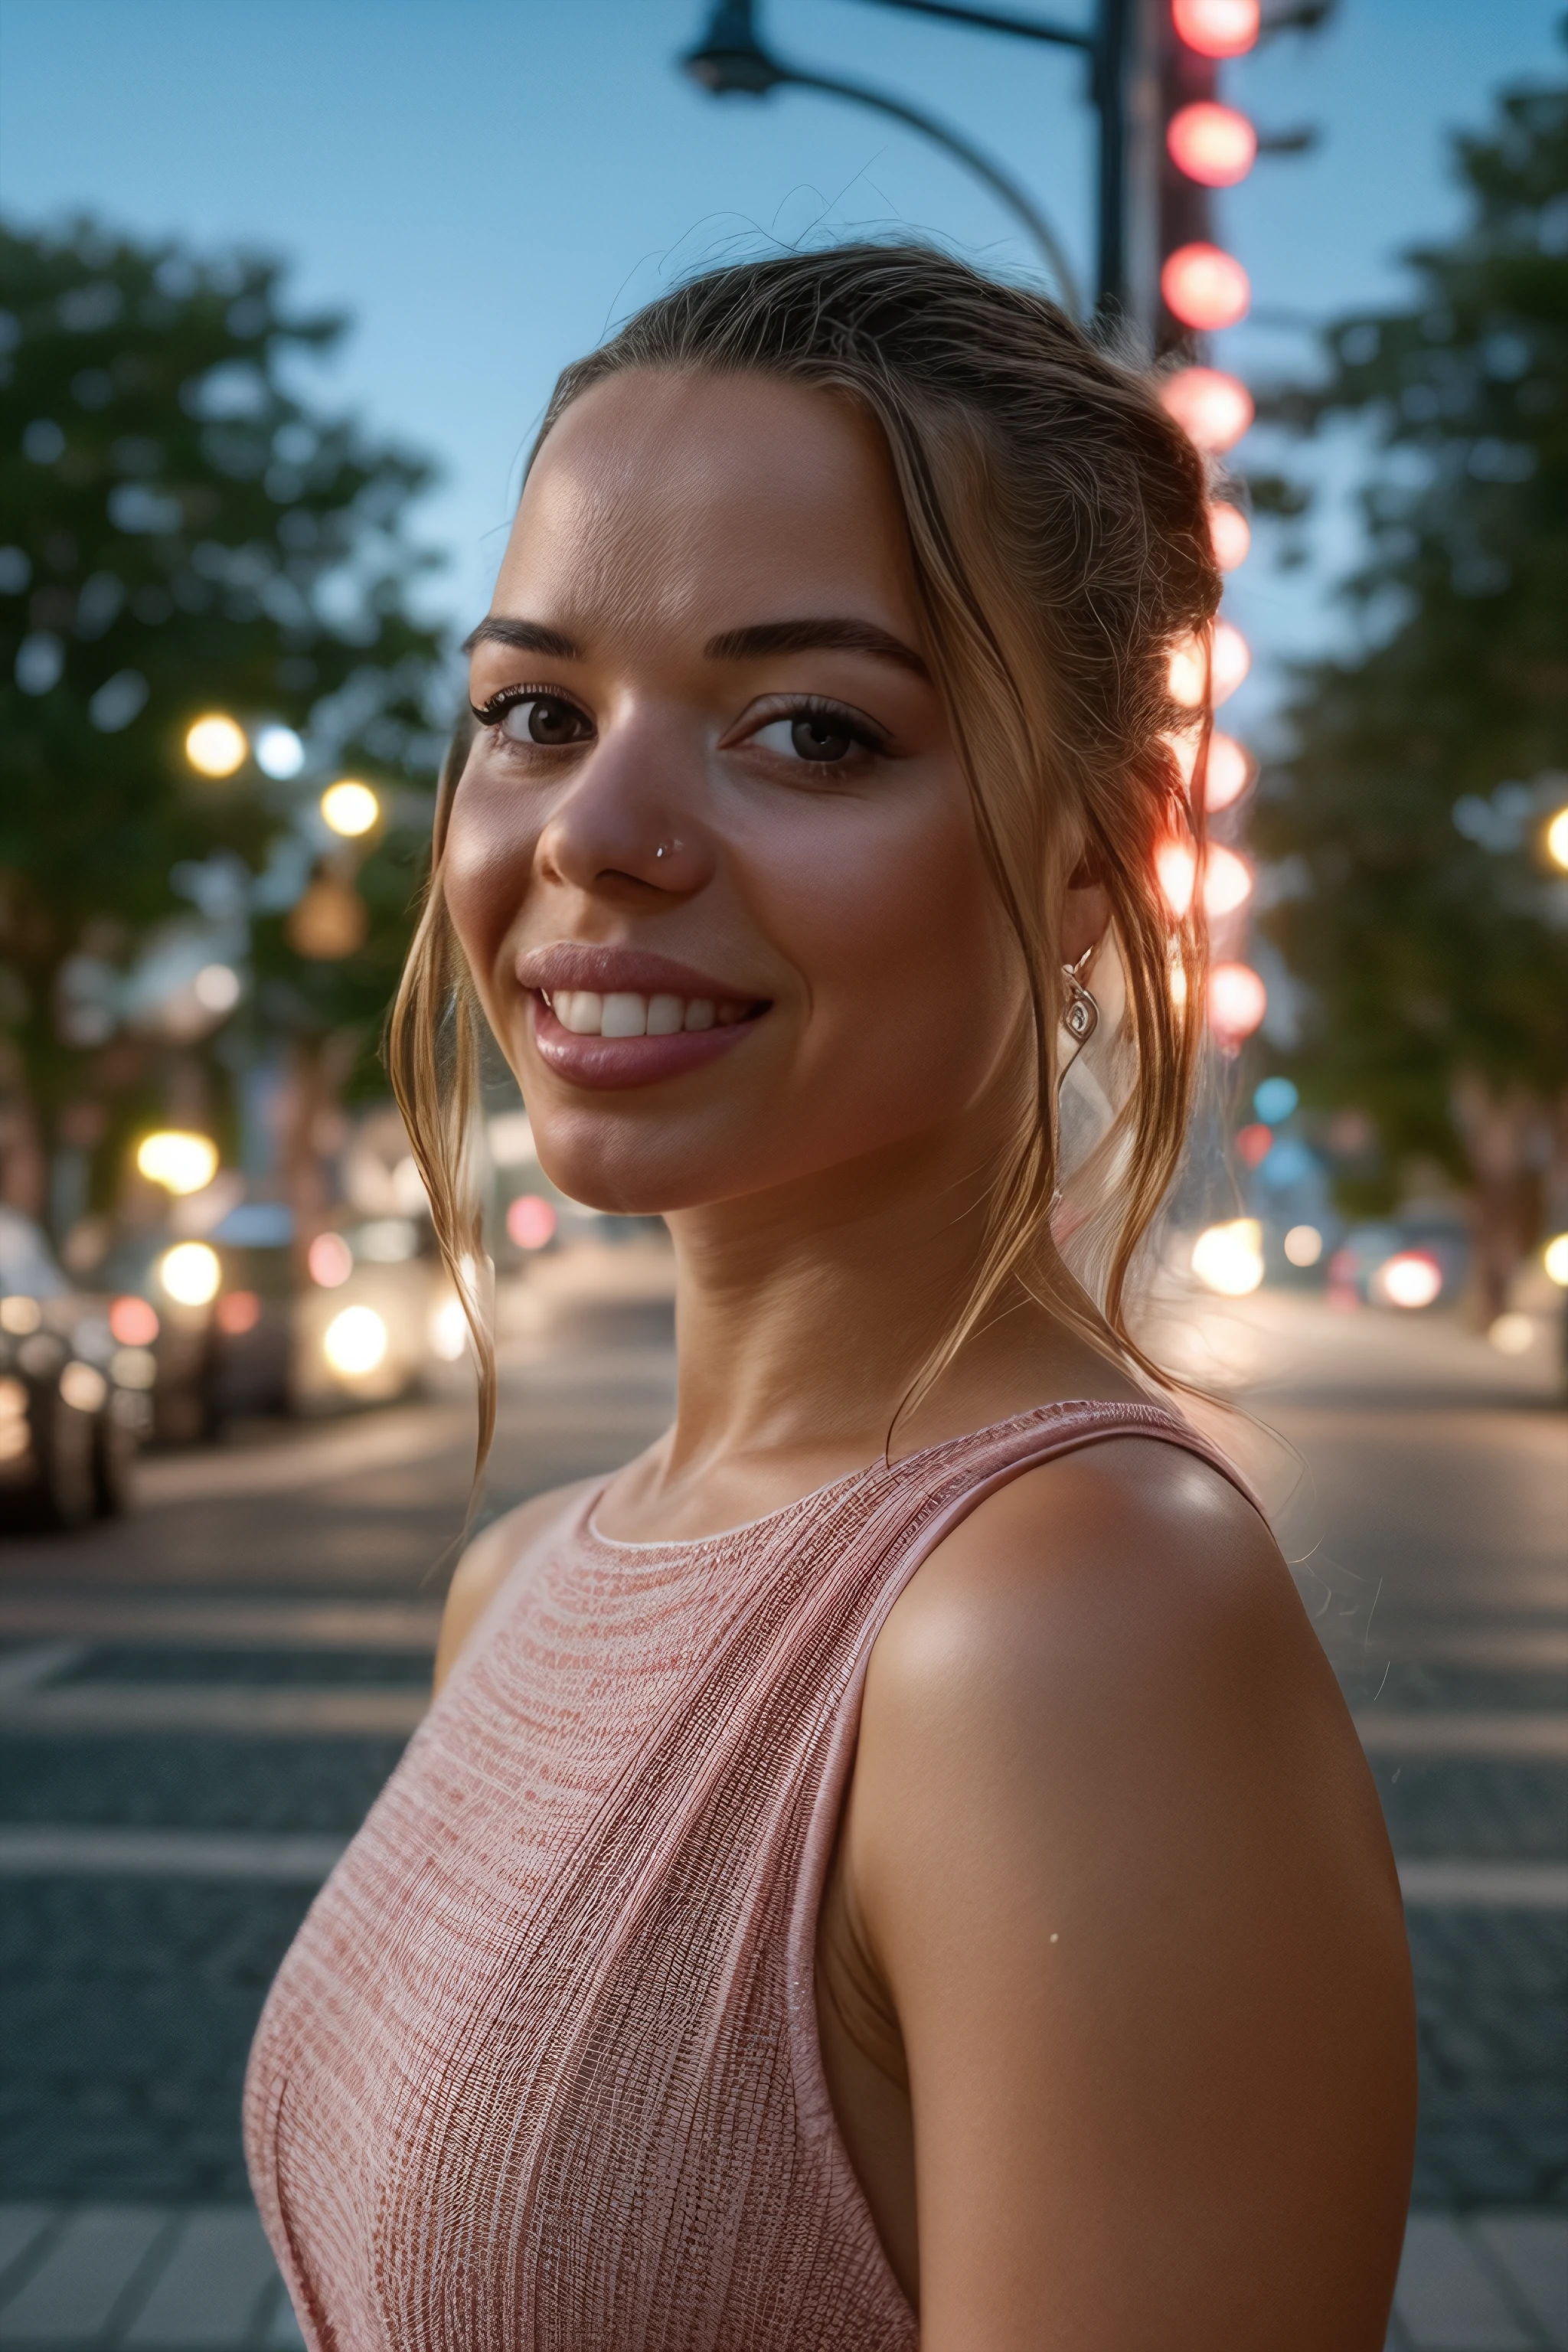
column 823, row 737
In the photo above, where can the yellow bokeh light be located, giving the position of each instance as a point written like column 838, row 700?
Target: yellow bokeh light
column 349, row 808
column 1557, row 839
column 217, row 746
column 1229, row 1257
column 1303, row 1245
column 190, row 1273
column 1554, row 1258
column 180, row 1162
column 1512, row 1335
column 355, row 1341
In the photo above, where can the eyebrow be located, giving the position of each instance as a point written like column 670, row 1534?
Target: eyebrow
column 826, row 635
column 804, row 636
column 523, row 636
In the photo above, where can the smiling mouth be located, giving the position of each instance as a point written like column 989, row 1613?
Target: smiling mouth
column 621, row 1012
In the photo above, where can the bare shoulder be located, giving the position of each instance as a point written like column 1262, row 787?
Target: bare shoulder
column 1111, row 1647
column 1118, row 1861
column 1129, row 1559
column 487, row 1564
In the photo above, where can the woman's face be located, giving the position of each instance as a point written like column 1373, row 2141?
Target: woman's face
column 712, row 860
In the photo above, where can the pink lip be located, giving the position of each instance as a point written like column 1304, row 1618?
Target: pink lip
column 611, row 1062
column 607, row 1062
column 606, row 969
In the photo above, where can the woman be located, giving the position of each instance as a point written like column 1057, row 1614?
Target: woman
column 896, row 1847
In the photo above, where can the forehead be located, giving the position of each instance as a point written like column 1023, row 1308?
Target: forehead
column 675, row 497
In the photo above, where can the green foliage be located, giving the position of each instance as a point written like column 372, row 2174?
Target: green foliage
column 185, row 531
column 1418, row 905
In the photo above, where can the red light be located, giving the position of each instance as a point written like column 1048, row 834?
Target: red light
column 1254, row 1144
column 330, row 1260
column 1211, row 144
column 1237, row 1001
column 1228, row 773
column 1213, row 409
column 134, row 1322
column 1229, row 662
column 1227, row 881
column 1230, row 533
column 1216, row 28
column 238, row 1311
column 1205, row 287
column 1177, row 868
column 530, row 1220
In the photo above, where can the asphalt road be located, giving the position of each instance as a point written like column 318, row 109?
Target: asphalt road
column 197, row 1705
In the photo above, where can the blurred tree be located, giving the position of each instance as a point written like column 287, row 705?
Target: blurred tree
column 1415, row 897
column 185, row 532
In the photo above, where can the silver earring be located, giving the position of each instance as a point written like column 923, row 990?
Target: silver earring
column 1080, row 1017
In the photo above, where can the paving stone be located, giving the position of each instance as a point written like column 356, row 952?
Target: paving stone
column 1446, row 2300
column 126, row 2053
column 1482, row 1809
column 21, row 2227
column 72, row 2294
column 1532, row 2249
column 273, row 1668
column 283, row 2333
column 208, row 2295
column 194, row 1781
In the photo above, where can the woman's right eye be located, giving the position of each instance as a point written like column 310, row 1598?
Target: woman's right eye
column 545, row 719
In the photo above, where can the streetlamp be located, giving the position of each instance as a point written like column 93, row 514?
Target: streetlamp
column 730, row 61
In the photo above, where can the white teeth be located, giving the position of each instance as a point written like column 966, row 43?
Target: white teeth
column 582, row 1011
column 624, row 1015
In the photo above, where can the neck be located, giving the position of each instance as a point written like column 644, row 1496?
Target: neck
column 806, row 1314
column 803, row 1314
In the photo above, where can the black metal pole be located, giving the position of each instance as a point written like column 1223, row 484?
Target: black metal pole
column 731, row 60
column 1110, row 47
column 1112, row 43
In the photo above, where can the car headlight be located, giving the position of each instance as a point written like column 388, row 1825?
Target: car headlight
column 354, row 1342
column 83, row 1387
column 190, row 1273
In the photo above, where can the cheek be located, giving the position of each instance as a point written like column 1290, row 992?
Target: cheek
column 890, row 917
column 484, row 870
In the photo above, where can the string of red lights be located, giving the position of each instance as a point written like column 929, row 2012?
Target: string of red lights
column 1209, row 145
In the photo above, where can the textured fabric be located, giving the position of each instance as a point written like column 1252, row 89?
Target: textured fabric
column 541, row 2073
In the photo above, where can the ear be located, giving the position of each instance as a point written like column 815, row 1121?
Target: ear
column 1085, row 913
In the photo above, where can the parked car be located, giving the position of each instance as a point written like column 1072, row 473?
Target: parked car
column 73, row 1398
column 213, row 1313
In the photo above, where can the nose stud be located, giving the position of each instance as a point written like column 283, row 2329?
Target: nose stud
column 666, row 849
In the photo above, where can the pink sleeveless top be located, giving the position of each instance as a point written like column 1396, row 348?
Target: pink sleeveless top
column 541, row 2073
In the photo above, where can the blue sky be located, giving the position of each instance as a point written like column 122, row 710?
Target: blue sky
column 485, row 188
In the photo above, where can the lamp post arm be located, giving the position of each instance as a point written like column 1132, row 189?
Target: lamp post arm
column 1027, row 28
column 1001, row 186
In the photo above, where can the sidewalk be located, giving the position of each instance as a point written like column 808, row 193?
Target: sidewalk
column 200, row 2278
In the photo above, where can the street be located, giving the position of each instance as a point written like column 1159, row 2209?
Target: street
column 198, row 1703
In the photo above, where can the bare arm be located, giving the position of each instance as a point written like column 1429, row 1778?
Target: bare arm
column 487, row 1562
column 1114, row 1851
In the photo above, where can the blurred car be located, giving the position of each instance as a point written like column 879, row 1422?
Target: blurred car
column 214, row 1317
column 73, row 1399
column 1412, row 1261
column 379, row 1319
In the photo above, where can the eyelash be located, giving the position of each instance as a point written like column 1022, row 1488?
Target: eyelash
column 861, row 732
column 507, row 698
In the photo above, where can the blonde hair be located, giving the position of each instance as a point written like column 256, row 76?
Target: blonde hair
column 1060, row 537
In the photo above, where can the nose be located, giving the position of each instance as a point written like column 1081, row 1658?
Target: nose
column 633, row 821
